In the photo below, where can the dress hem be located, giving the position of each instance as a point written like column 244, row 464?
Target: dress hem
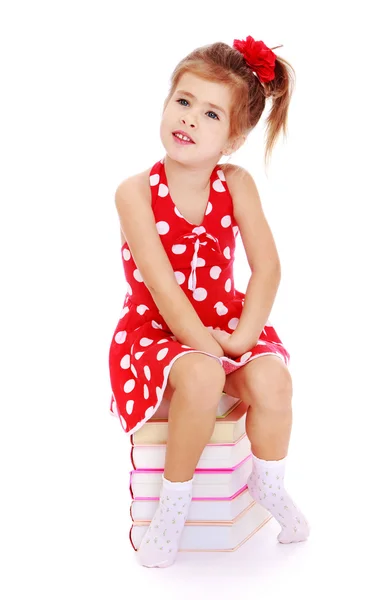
column 221, row 360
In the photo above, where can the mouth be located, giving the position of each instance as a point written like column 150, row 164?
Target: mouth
column 180, row 140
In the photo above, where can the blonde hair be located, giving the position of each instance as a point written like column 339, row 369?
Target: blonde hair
column 224, row 64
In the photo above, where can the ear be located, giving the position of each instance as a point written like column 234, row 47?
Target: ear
column 233, row 146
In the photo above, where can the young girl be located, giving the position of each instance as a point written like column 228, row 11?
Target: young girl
column 179, row 220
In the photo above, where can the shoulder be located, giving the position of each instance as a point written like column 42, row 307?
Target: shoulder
column 241, row 185
column 136, row 188
column 235, row 175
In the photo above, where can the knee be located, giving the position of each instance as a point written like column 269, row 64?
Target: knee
column 200, row 377
column 271, row 389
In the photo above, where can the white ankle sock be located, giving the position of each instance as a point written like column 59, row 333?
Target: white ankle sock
column 266, row 485
column 160, row 544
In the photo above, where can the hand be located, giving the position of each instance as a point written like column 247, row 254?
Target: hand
column 224, row 339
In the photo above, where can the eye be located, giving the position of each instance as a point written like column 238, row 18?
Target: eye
column 210, row 111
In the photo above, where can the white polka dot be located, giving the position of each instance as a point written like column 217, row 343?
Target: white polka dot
column 227, row 285
column 226, row 221
column 126, row 254
column 154, row 179
column 199, row 230
column 134, row 371
column 163, row 190
column 120, row 337
column 221, row 309
column 180, row 277
column 146, row 391
column 129, row 406
column 215, row 272
column 220, row 174
column 123, row 422
column 124, row 311
column 146, row 341
column 227, row 252
column 156, row 325
column 179, row 248
column 162, row 354
column 137, row 276
column 246, row 356
column 129, row 289
column 200, row 294
column 125, row 362
column 218, row 186
column 149, row 412
column 209, row 208
column 141, row 308
column 233, row 323
column 162, row 227
column 129, row 386
column 138, row 355
column 147, row 372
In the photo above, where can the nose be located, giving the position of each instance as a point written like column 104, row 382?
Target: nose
column 188, row 121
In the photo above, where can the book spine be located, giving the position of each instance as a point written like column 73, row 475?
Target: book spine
column 199, row 470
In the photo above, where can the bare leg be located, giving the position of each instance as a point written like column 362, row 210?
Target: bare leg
column 197, row 388
column 191, row 423
column 269, row 430
column 265, row 385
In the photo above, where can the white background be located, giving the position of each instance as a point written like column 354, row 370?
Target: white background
column 83, row 85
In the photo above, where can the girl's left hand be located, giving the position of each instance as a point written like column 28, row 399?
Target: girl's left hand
column 224, row 339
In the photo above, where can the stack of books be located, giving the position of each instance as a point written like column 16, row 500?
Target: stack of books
column 222, row 514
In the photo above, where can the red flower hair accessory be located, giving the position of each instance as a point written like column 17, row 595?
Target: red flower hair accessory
column 258, row 56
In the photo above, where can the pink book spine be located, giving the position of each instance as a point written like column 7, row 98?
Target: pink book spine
column 211, row 498
column 196, row 471
column 155, row 445
column 230, row 470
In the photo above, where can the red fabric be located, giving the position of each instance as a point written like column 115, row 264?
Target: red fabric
column 258, row 56
column 143, row 348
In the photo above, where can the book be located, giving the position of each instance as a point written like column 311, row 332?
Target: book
column 208, row 484
column 222, row 514
column 213, row 509
column 227, row 428
column 214, row 456
column 226, row 536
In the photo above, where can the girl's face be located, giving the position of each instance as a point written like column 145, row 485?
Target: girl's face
column 191, row 109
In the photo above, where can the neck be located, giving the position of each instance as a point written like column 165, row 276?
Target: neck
column 196, row 178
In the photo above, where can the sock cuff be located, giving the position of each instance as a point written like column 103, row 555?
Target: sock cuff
column 177, row 485
column 269, row 463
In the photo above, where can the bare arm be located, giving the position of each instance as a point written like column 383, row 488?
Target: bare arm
column 139, row 227
column 262, row 256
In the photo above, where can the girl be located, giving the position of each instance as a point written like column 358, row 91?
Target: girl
column 179, row 220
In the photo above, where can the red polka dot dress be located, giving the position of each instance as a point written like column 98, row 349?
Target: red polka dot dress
column 143, row 348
